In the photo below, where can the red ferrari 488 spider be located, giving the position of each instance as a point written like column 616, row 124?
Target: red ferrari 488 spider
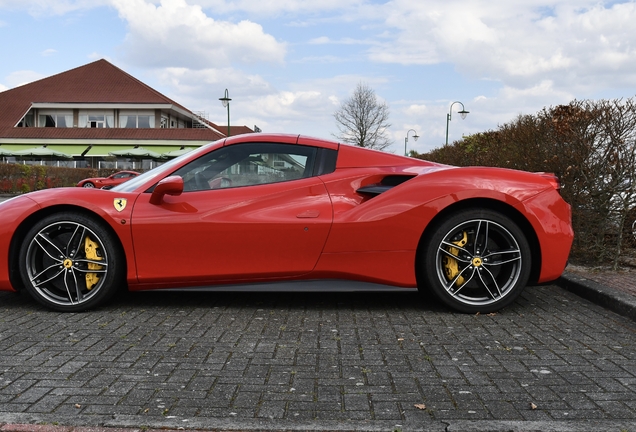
column 280, row 212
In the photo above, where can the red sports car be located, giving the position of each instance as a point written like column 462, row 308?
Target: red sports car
column 108, row 182
column 280, row 212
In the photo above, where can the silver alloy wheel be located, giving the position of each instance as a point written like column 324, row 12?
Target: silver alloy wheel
column 89, row 185
column 478, row 262
column 67, row 263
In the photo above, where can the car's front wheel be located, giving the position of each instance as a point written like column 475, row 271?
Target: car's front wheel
column 88, row 185
column 477, row 260
column 69, row 262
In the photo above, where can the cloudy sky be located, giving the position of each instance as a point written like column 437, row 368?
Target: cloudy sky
column 288, row 64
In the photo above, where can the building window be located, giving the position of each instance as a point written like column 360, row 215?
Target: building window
column 127, row 121
column 143, row 121
column 55, row 118
column 136, row 119
column 27, row 120
column 96, row 119
column 47, row 121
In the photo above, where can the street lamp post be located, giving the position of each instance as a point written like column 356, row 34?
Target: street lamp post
column 225, row 100
column 463, row 113
column 406, row 139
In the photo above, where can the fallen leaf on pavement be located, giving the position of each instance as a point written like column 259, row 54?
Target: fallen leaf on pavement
column 420, row 406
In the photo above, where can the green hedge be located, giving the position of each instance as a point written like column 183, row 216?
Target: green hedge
column 17, row 178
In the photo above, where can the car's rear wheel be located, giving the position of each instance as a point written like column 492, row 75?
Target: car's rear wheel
column 477, row 260
column 69, row 262
column 88, row 185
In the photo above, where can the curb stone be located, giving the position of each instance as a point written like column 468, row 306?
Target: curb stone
column 612, row 299
column 441, row 426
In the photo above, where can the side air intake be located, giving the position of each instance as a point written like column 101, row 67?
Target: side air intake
column 387, row 183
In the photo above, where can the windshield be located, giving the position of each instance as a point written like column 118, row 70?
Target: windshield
column 155, row 174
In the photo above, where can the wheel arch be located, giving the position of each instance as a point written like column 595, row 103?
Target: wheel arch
column 491, row 204
column 21, row 232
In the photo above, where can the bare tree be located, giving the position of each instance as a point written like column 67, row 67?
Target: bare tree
column 362, row 120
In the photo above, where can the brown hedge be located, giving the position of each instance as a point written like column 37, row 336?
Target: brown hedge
column 18, row 178
column 591, row 146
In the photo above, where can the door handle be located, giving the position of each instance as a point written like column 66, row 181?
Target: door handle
column 309, row 214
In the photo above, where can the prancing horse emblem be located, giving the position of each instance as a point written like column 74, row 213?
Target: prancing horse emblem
column 120, row 204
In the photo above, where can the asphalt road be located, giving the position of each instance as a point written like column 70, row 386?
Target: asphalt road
column 318, row 362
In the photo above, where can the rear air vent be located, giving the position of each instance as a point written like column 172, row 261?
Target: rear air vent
column 387, row 183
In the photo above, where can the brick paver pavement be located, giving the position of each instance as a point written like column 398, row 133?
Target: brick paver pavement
column 373, row 361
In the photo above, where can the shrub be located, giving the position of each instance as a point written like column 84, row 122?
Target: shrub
column 591, row 146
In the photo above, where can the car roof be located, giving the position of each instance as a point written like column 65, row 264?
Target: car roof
column 281, row 138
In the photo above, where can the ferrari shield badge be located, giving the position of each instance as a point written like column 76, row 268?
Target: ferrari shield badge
column 120, row 204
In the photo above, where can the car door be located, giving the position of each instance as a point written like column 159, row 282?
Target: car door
column 248, row 212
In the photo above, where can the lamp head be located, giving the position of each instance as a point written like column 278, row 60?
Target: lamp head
column 463, row 113
column 225, row 100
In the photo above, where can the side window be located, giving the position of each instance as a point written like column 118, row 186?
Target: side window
column 248, row 164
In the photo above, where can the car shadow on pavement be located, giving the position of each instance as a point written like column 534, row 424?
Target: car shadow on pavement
column 281, row 300
column 399, row 300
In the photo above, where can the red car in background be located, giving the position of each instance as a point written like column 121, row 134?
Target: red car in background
column 288, row 212
column 108, row 182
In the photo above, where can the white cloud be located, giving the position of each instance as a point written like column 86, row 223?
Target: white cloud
column 98, row 56
column 417, row 110
column 254, row 100
column 44, row 8
column 541, row 53
column 175, row 33
column 327, row 59
column 22, row 77
column 324, row 40
column 275, row 7
column 305, row 106
column 428, row 118
column 518, row 43
column 196, row 87
column 48, row 52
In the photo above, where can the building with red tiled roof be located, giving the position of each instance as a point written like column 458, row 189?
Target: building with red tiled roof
column 92, row 110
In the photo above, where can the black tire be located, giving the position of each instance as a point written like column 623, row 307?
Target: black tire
column 69, row 262
column 477, row 260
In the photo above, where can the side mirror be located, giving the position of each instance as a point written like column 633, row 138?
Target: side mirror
column 172, row 185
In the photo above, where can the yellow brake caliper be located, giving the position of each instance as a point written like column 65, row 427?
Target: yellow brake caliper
column 451, row 267
column 90, row 248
